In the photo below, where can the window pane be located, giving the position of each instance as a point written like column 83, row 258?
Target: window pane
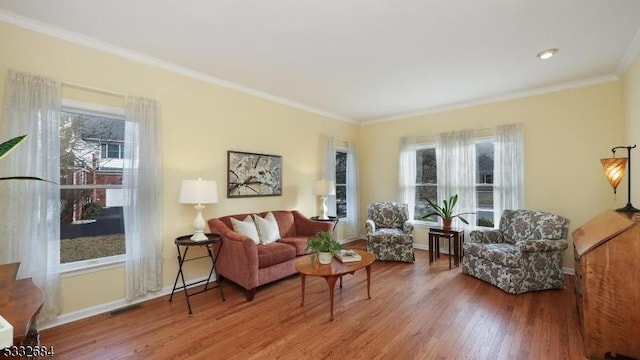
column 88, row 227
column 484, row 181
column 426, row 170
column 341, row 167
column 341, row 201
column 422, row 207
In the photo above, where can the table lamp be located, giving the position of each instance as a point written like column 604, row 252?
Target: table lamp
column 324, row 188
column 198, row 192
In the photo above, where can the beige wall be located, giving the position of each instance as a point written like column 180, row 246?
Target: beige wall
column 631, row 103
column 565, row 135
column 200, row 122
column 566, row 132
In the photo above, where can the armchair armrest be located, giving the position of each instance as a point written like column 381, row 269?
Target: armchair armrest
column 542, row 245
column 486, row 236
column 308, row 227
column 407, row 227
column 370, row 227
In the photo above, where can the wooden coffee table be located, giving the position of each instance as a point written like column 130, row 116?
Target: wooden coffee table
column 308, row 266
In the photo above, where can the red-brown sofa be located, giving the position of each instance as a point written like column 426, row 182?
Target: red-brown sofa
column 250, row 265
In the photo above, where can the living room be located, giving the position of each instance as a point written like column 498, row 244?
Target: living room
column 567, row 129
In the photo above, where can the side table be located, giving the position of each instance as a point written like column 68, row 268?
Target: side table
column 455, row 234
column 333, row 219
column 185, row 243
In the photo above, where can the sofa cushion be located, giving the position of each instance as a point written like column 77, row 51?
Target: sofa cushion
column 246, row 227
column 274, row 253
column 267, row 228
column 503, row 254
column 298, row 242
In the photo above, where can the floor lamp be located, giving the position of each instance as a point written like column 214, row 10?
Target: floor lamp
column 614, row 170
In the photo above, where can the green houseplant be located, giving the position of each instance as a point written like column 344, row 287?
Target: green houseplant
column 5, row 148
column 323, row 244
column 446, row 211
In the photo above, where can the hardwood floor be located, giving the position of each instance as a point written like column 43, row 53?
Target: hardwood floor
column 416, row 311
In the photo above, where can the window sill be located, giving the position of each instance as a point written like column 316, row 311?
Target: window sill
column 91, row 266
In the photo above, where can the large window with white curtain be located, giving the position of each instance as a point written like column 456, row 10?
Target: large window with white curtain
column 91, row 196
column 486, row 172
column 341, row 183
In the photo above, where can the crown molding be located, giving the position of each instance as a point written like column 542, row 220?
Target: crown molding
column 630, row 55
column 496, row 99
column 89, row 42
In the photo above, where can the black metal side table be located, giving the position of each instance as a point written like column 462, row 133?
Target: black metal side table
column 333, row 219
column 185, row 242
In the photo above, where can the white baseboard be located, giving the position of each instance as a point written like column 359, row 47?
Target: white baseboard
column 110, row 306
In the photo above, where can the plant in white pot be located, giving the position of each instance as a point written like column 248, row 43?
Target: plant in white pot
column 9, row 145
column 323, row 244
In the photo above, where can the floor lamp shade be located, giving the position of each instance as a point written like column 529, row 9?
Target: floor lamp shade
column 324, row 188
column 198, row 192
column 614, row 170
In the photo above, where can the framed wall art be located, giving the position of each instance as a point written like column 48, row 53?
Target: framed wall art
column 250, row 174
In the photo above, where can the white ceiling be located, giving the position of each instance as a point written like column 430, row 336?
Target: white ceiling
column 358, row 60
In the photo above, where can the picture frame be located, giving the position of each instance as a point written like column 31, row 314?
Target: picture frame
column 253, row 174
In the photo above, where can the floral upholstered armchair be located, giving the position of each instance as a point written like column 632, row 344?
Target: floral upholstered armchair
column 524, row 254
column 389, row 232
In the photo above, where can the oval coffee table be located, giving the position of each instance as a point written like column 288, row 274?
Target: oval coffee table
column 308, row 266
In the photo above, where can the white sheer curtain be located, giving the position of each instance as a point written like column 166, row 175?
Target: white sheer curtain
column 351, row 230
column 455, row 153
column 329, row 168
column 508, row 170
column 142, row 183
column 407, row 178
column 30, row 210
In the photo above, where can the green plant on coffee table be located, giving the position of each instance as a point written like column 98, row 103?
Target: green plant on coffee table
column 323, row 242
column 446, row 210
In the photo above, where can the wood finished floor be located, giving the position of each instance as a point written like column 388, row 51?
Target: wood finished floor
column 416, row 311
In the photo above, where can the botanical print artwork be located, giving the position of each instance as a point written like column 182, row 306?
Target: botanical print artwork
column 251, row 174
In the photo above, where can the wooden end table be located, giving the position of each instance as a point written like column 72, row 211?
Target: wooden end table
column 307, row 266
column 455, row 234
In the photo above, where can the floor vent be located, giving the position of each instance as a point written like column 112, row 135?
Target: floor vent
column 125, row 309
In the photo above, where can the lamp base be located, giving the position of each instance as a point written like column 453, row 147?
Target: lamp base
column 628, row 208
column 199, row 236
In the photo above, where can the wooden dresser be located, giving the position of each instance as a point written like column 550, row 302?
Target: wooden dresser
column 607, row 255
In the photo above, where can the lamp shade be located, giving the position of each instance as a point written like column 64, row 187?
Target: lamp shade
column 614, row 170
column 324, row 188
column 198, row 192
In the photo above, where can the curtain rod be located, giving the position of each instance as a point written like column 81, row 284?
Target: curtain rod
column 94, row 89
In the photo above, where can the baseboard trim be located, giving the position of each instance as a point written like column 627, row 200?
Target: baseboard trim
column 109, row 307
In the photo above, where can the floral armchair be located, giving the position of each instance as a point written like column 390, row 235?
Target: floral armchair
column 524, row 254
column 389, row 232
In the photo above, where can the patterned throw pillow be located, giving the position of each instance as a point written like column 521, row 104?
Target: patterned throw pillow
column 267, row 228
column 246, row 227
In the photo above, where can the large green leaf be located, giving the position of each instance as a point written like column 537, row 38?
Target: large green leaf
column 8, row 145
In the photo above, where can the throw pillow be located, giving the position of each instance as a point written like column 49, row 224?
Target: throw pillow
column 267, row 228
column 246, row 227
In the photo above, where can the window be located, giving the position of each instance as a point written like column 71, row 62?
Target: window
column 341, row 183
column 426, row 181
column 91, row 196
column 484, row 182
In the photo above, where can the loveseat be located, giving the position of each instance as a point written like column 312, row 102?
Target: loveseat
column 251, row 262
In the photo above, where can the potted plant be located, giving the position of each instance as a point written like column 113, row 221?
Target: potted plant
column 446, row 211
column 323, row 244
column 5, row 148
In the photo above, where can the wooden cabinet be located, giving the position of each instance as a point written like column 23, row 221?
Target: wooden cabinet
column 607, row 255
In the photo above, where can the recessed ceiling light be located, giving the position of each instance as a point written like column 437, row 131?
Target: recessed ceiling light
column 546, row 54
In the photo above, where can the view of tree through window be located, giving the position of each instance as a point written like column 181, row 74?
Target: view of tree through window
column 91, row 163
column 341, row 184
column 484, row 183
column 426, row 182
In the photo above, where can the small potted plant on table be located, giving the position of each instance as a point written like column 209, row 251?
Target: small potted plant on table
column 324, row 245
column 446, row 211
